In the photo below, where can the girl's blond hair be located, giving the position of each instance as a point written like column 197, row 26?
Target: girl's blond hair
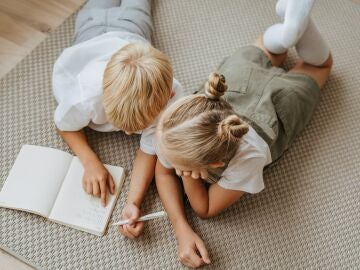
column 137, row 85
column 201, row 129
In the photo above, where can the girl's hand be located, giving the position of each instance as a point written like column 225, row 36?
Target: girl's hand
column 133, row 229
column 97, row 180
column 191, row 248
column 195, row 174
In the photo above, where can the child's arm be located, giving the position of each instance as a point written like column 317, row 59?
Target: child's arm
column 191, row 249
column 142, row 175
column 208, row 202
column 96, row 179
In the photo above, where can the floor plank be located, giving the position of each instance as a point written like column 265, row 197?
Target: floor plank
column 25, row 23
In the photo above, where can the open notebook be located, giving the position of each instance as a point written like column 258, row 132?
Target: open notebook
column 48, row 182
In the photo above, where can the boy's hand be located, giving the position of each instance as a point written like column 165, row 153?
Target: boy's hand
column 196, row 174
column 191, row 249
column 133, row 229
column 97, row 180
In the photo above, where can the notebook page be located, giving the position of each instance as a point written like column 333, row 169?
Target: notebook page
column 35, row 179
column 76, row 208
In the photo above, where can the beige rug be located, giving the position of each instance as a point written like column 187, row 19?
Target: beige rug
column 308, row 217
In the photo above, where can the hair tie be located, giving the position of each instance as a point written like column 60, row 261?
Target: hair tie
column 211, row 96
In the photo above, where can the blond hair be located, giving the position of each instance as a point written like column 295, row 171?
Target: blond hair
column 202, row 129
column 137, row 85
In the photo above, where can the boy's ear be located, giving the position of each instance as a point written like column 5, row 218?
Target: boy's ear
column 217, row 164
column 172, row 94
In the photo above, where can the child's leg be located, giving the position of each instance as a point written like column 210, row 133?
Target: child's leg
column 280, row 37
column 91, row 19
column 316, row 58
column 134, row 17
column 319, row 73
column 297, row 16
column 312, row 48
column 277, row 60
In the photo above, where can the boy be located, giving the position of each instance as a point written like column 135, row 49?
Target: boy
column 112, row 79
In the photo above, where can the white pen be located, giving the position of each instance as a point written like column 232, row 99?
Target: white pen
column 143, row 218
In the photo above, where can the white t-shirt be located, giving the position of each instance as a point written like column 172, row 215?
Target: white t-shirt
column 77, row 85
column 245, row 169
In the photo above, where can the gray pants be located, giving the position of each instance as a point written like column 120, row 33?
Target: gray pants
column 101, row 16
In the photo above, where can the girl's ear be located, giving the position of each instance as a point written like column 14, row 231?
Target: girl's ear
column 217, row 164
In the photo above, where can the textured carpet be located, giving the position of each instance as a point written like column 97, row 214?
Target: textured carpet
column 308, row 217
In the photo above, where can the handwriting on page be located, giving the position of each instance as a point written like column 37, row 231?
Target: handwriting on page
column 94, row 214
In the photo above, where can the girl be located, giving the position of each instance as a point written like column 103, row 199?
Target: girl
column 220, row 140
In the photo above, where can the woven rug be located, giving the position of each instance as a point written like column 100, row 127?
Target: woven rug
column 308, row 216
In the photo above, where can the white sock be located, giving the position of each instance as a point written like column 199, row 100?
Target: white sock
column 297, row 16
column 280, row 37
column 281, row 8
column 312, row 48
column 272, row 39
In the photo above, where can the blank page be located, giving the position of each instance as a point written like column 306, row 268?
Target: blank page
column 76, row 208
column 35, row 179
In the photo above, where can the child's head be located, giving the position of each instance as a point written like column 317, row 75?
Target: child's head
column 200, row 130
column 137, row 85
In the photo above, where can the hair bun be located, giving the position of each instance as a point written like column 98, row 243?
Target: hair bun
column 215, row 87
column 232, row 128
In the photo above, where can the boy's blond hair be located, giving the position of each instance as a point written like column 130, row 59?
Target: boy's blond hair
column 137, row 85
column 198, row 130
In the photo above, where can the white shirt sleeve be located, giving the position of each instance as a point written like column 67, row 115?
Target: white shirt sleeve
column 244, row 175
column 164, row 162
column 146, row 140
column 71, row 118
column 70, row 115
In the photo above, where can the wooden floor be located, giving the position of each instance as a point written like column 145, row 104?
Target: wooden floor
column 25, row 23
